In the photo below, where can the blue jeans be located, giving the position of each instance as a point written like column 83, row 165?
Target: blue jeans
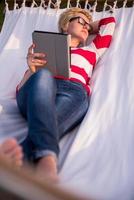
column 52, row 107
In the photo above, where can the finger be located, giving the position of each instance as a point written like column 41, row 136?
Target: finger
column 40, row 61
column 34, row 56
column 38, row 65
column 33, row 45
column 39, row 55
column 30, row 49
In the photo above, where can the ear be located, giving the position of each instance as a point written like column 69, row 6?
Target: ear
column 65, row 29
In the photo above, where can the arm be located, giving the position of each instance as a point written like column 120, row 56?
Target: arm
column 35, row 61
column 94, row 27
column 105, row 28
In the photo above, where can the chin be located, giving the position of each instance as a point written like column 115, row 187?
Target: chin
column 83, row 41
column 84, row 35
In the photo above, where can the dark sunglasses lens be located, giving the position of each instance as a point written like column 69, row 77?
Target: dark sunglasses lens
column 73, row 18
column 82, row 22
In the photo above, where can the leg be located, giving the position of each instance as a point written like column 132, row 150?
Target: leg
column 72, row 103
column 36, row 100
column 71, row 106
column 50, row 116
column 10, row 150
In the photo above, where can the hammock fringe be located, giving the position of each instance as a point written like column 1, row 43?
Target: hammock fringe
column 89, row 5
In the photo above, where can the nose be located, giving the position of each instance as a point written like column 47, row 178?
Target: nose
column 85, row 27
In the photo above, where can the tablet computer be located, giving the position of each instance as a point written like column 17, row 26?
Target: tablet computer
column 57, row 51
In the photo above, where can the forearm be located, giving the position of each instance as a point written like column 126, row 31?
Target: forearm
column 103, row 39
column 107, row 22
column 35, row 62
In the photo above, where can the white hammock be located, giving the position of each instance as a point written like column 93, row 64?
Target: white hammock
column 100, row 161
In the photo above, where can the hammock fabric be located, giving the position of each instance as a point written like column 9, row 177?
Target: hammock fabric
column 99, row 160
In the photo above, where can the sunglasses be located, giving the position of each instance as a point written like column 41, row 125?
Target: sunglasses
column 81, row 21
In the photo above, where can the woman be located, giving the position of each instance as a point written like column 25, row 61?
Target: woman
column 52, row 105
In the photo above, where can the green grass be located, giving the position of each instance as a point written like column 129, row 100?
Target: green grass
column 1, row 13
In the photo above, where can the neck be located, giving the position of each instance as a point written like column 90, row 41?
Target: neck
column 74, row 42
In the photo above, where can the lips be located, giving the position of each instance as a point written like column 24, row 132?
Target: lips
column 84, row 31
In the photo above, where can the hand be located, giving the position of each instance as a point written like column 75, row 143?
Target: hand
column 35, row 61
column 94, row 27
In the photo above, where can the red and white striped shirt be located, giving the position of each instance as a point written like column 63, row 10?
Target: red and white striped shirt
column 84, row 59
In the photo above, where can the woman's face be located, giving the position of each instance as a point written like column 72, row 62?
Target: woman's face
column 78, row 27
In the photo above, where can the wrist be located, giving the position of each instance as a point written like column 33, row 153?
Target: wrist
column 91, row 29
column 32, row 69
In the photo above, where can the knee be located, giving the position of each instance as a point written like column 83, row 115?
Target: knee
column 43, row 74
column 42, row 78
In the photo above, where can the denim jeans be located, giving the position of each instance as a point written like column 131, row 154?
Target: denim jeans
column 52, row 107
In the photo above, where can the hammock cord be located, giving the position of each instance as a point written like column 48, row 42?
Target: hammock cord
column 6, row 6
column 57, row 4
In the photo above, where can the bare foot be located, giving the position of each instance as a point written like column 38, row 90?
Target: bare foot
column 11, row 151
column 47, row 169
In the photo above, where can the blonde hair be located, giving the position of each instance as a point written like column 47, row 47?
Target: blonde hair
column 68, row 14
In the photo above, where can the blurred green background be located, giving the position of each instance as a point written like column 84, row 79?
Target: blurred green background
column 2, row 5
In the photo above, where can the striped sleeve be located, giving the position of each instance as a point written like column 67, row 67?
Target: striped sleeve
column 103, row 39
